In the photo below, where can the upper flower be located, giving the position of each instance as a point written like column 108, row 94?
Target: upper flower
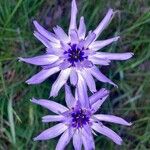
column 78, row 121
column 75, row 55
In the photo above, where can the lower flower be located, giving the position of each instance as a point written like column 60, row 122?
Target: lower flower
column 78, row 121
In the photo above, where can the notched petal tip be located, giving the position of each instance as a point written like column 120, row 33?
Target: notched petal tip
column 33, row 100
column 111, row 11
column 127, row 56
column 132, row 54
column 74, row 5
column 35, row 22
column 115, row 85
column 129, row 124
column 117, row 38
column 36, row 139
column 53, row 94
column 120, row 142
column 28, row 82
column 20, row 59
column 107, row 92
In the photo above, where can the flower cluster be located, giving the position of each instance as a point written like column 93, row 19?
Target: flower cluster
column 78, row 121
column 76, row 56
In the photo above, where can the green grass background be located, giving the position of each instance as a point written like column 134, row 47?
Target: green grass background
column 20, row 120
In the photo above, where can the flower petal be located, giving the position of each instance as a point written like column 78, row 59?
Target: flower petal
column 42, row 75
column 51, row 105
column 51, row 132
column 42, row 39
column 86, row 64
column 77, row 141
column 107, row 132
column 82, row 29
column 40, row 60
column 52, row 118
column 101, row 77
column 89, row 80
column 70, row 100
column 104, row 23
column 74, row 10
column 111, row 118
column 55, row 64
column 64, row 139
column 98, row 61
column 54, row 50
column 61, row 34
column 98, row 104
column 114, row 56
column 74, row 37
column 90, row 38
column 73, row 77
column 45, row 33
column 82, row 91
column 65, row 46
column 87, row 139
column 64, row 65
column 97, row 45
column 98, row 95
column 61, row 80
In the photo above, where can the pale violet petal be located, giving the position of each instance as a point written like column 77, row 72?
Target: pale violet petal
column 53, row 118
column 51, row 132
column 86, row 64
column 101, row 77
column 73, row 77
column 64, row 65
column 74, row 37
column 42, row 75
column 76, row 94
column 55, row 64
column 70, row 100
column 61, row 34
column 55, row 50
column 104, row 23
column 64, row 139
column 89, row 80
column 113, row 56
column 82, row 29
column 40, row 60
column 51, row 105
column 111, row 118
column 65, row 46
column 98, row 95
column 42, row 39
column 61, row 80
column 87, row 139
column 99, row 61
column 98, row 104
column 82, row 91
column 77, row 141
column 97, row 45
column 74, row 10
column 107, row 132
column 45, row 33
column 90, row 38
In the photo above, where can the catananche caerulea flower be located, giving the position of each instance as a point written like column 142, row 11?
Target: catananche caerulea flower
column 73, row 54
column 78, row 121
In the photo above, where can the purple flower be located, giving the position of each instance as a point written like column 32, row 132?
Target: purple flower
column 78, row 121
column 75, row 54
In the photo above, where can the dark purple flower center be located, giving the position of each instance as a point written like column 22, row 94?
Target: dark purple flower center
column 80, row 117
column 75, row 54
